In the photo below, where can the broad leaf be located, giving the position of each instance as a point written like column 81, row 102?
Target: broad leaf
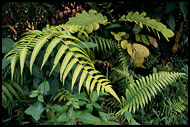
column 35, row 110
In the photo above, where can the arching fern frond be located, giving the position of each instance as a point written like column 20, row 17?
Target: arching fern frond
column 149, row 23
column 70, row 51
column 143, row 89
column 103, row 45
column 89, row 20
column 9, row 90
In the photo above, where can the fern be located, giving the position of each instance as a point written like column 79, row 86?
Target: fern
column 62, row 94
column 10, row 89
column 89, row 20
column 149, row 23
column 103, row 45
column 34, row 40
column 143, row 89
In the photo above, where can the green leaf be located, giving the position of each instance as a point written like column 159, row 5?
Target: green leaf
column 89, row 44
column 144, row 39
column 5, row 63
column 87, row 118
column 58, row 57
column 64, row 63
column 63, row 117
column 17, row 86
column 94, row 97
column 11, row 90
column 36, row 50
column 44, row 86
column 171, row 22
column 41, row 98
column 170, row 7
column 69, row 66
column 7, row 93
column 137, row 37
column 96, row 105
column 37, row 72
column 59, row 108
column 153, row 41
column 104, row 116
column 13, row 63
column 75, row 75
column 88, row 83
column 167, row 33
column 33, row 95
column 7, row 45
column 113, row 26
column 184, row 9
column 136, row 28
column 23, row 54
column 35, row 110
column 82, row 78
column 82, row 103
column 89, row 107
column 49, row 49
column 76, row 105
column 112, row 92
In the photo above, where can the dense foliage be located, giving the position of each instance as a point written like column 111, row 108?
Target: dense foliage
column 72, row 63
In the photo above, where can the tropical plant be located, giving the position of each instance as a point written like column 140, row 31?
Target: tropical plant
column 103, row 59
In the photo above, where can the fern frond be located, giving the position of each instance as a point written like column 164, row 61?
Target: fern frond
column 62, row 94
column 103, row 45
column 10, row 89
column 89, row 20
column 143, row 89
column 71, row 51
column 149, row 23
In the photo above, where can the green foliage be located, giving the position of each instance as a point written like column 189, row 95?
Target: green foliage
column 105, row 55
column 73, row 55
column 141, row 20
column 10, row 89
column 90, row 20
column 35, row 110
column 103, row 45
column 138, row 93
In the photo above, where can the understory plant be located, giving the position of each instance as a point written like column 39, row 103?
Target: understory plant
column 62, row 59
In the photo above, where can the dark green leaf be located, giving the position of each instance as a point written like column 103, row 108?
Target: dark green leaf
column 36, row 81
column 104, row 116
column 113, row 26
column 7, row 45
column 89, row 44
column 81, row 103
column 36, row 71
column 94, row 96
column 35, row 110
column 59, row 108
column 54, row 86
column 76, row 105
column 88, row 118
column 41, row 98
column 96, row 105
column 184, row 9
column 44, row 86
column 89, row 107
column 170, row 7
column 171, row 22
column 63, row 117
column 5, row 63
